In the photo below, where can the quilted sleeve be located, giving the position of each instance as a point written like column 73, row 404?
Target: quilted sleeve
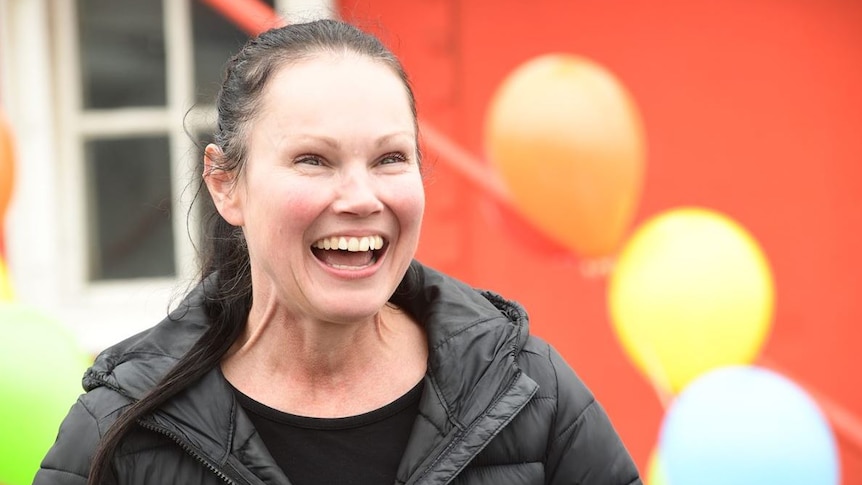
column 585, row 449
column 68, row 460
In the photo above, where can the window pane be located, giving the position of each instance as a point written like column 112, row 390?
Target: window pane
column 122, row 53
column 131, row 234
column 215, row 40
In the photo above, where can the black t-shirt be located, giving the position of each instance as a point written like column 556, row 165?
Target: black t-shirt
column 356, row 450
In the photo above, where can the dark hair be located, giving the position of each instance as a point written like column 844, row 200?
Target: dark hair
column 225, row 257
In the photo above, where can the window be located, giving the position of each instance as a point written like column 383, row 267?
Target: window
column 136, row 68
column 130, row 79
column 122, row 53
column 129, row 208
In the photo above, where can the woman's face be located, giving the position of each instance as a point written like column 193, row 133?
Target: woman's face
column 331, row 197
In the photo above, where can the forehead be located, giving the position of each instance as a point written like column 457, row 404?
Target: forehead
column 341, row 81
column 353, row 101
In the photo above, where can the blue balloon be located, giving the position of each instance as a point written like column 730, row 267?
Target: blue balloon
column 745, row 425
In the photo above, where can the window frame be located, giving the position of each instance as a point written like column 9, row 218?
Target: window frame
column 103, row 311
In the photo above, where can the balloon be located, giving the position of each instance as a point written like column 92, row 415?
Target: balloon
column 746, row 425
column 691, row 291
column 655, row 471
column 40, row 377
column 6, row 293
column 7, row 166
column 567, row 139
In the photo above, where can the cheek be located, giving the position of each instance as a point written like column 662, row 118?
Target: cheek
column 285, row 214
column 297, row 210
column 408, row 203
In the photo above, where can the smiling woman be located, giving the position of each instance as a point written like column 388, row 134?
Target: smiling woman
column 311, row 176
column 315, row 348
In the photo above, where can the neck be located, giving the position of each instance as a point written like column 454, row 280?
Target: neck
column 312, row 367
column 303, row 346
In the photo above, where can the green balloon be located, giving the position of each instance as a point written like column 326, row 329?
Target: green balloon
column 41, row 367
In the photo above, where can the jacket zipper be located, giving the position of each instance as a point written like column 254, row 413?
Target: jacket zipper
column 176, row 439
column 191, row 451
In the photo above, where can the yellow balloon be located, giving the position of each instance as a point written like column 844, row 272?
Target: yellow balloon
column 655, row 472
column 692, row 291
column 6, row 293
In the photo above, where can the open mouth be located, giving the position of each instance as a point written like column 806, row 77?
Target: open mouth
column 349, row 252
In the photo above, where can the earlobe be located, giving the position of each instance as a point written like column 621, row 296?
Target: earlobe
column 221, row 184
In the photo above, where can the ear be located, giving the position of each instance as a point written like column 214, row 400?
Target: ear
column 222, row 185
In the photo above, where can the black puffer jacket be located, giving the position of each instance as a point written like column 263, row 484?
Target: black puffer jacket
column 499, row 407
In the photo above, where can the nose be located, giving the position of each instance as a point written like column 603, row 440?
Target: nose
column 357, row 194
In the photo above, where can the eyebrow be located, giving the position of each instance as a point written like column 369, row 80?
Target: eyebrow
column 385, row 138
column 335, row 143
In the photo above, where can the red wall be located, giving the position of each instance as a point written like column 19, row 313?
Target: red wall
column 751, row 107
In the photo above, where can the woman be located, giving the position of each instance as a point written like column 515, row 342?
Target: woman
column 315, row 350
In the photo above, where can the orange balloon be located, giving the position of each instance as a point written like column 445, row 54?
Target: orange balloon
column 569, row 142
column 7, row 166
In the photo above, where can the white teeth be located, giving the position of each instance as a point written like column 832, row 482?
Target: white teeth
column 352, row 244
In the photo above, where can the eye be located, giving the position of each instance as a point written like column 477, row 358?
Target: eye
column 313, row 160
column 394, row 157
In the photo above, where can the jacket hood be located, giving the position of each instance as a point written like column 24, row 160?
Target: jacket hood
column 135, row 365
